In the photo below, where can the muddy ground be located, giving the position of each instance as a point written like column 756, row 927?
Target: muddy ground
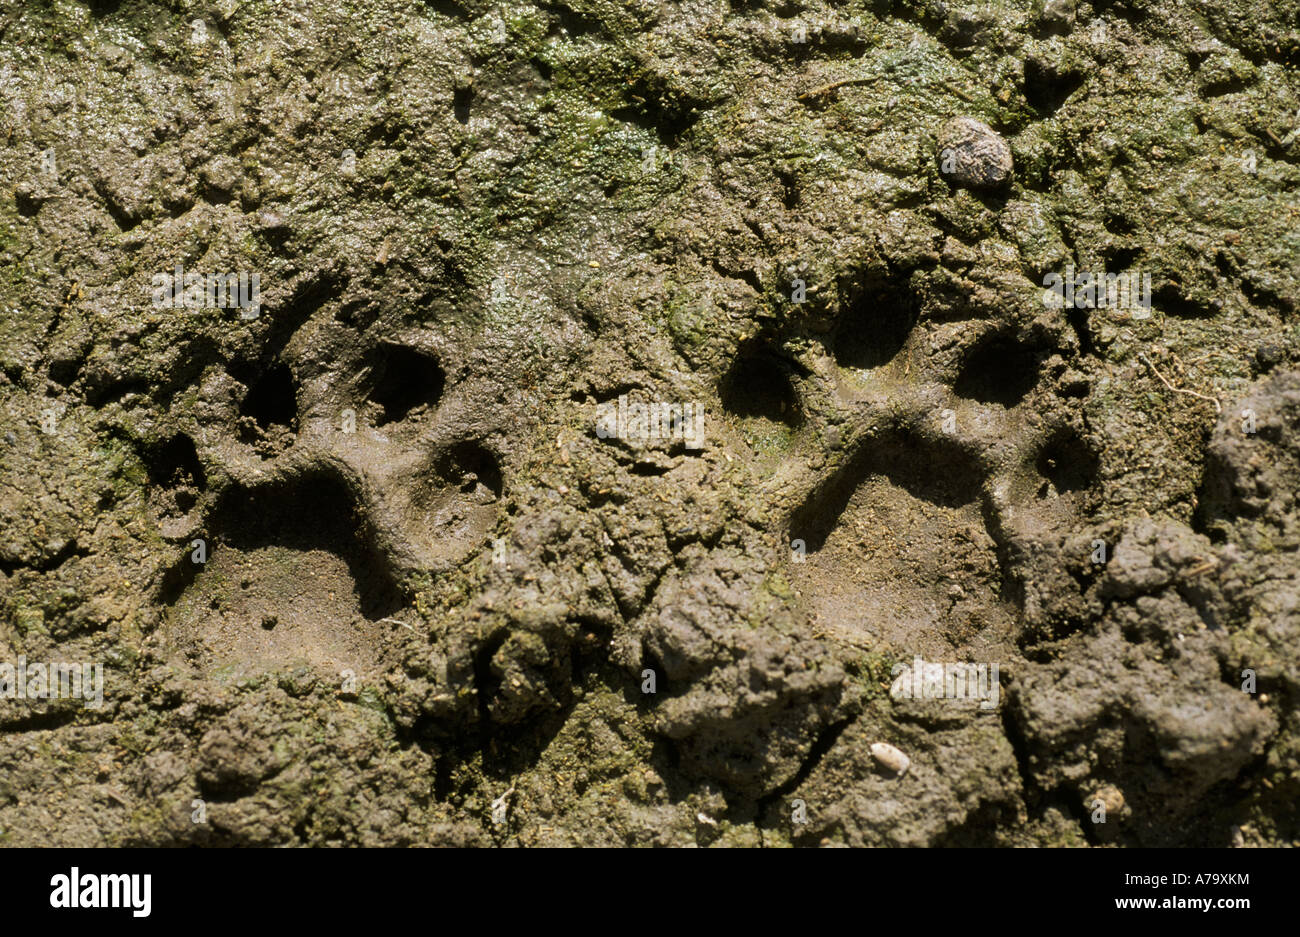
column 434, row 597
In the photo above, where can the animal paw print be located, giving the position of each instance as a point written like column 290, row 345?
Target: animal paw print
column 351, row 472
column 931, row 456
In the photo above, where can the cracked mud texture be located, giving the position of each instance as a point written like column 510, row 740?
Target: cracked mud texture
column 431, row 587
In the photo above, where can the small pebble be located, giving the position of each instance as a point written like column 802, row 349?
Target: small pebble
column 887, row 756
column 973, row 154
column 1268, row 356
column 1110, row 796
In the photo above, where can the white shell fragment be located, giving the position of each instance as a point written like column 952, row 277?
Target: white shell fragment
column 890, row 757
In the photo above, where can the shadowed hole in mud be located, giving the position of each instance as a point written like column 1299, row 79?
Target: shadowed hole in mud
column 1120, row 258
column 1078, row 319
column 790, row 196
column 1170, row 299
column 102, row 394
column 175, row 462
column 471, row 468
column 461, row 98
column 1068, row 463
column 291, row 576
column 875, row 325
column 487, row 682
column 658, row 108
column 999, row 370
column 273, row 399
column 758, row 385
column 1219, row 505
column 176, row 477
column 1047, row 89
column 448, row 8
column 64, row 371
column 573, row 24
column 403, row 381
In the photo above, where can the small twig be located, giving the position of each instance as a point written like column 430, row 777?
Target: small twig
column 959, row 92
column 1215, row 354
column 1178, row 390
column 501, row 804
column 835, row 86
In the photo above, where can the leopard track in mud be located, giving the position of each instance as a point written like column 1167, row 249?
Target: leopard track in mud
column 434, row 595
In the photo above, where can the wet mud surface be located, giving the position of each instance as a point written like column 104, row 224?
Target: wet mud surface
column 436, row 603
